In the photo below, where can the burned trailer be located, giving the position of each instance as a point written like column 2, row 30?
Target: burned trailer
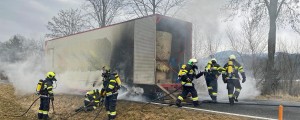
column 146, row 52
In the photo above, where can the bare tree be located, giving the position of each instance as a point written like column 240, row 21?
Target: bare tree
column 255, row 38
column 250, row 40
column 19, row 48
column 66, row 22
column 211, row 44
column 276, row 12
column 288, row 61
column 256, row 44
column 236, row 41
column 103, row 11
column 149, row 7
column 197, row 42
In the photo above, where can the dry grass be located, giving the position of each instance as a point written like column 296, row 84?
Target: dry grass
column 279, row 97
column 66, row 104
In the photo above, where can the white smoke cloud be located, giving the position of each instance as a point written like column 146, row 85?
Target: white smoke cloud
column 24, row 75
column 132, row 94
column 248, row 92
column 77, row 82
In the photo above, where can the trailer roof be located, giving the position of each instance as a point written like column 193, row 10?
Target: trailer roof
column 114, row 25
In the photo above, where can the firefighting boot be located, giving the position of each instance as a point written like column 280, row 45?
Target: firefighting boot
column 40, row 116
column 235, row 99
column 110, row 117
column 214, row 99
column 46, row 117
column 196, row 103
column 113, row 117
column 231, row 101
column 236, row 95
column 178, row 103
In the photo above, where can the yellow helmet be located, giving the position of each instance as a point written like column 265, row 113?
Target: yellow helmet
column 106, row 68
column 232, row 57
column 50, row 75
column 183, row 66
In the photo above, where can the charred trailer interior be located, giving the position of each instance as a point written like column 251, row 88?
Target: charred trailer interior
column 146, row 52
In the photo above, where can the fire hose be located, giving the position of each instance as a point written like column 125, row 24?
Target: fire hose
column 26, row 110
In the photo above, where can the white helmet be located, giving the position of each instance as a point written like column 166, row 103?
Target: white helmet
column 213, row 59
column 192, row 61
column 232, row 57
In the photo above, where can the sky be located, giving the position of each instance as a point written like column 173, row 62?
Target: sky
column 209, row 17
column 29, row 17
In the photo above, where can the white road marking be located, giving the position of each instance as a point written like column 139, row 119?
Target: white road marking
column 241, row 115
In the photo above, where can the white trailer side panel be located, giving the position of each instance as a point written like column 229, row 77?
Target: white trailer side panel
column 144, row 50
column 78, row 59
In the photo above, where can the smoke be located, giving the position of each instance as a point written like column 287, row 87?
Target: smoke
column 249, row 90
column 24, row 75
column 207, row 17
column 78, row 82
column 204, row 14
column 132, row 93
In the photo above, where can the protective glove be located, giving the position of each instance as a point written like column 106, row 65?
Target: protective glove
column 103, row 94
column 224, row 78
column 52, row 98
column 118, row 87
column 199, row 74
column 94, row 84
column 244, row 77
column 244, row 80
column 195, row 67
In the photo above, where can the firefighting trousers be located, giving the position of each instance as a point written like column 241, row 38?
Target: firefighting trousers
column 186, row 90
column 110, row 105
column 234, row 88
column 44, row 107
column 212, row 87
column 89, row 106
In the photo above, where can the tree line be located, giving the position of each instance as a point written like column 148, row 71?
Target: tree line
column 100, row 13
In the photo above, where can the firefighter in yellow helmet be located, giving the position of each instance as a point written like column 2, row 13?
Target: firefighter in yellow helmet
column 186, row 75
column 212, row 72
column 231, row 77
column 91, row 101
column 111, row 85
column 45, row 90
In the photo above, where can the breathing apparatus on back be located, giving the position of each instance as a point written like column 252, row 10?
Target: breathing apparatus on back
column 40, row 85
column 231, row 66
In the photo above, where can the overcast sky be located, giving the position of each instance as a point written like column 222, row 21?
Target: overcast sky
column 29, row 17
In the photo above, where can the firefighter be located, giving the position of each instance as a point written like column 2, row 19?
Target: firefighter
column 232, row 78
column 91, row 101
column 212, row 72
column 111, row 85
column 44, row 89
column 187, row 74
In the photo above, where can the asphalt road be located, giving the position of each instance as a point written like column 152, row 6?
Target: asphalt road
column 259, row 108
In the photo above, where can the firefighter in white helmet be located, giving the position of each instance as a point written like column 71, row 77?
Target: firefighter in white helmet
column 111, row 85
column 187, row 75
column 231, row 76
